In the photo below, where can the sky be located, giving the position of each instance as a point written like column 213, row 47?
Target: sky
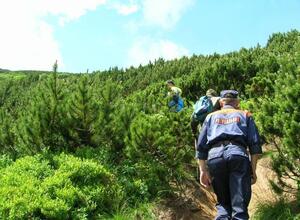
column 99, row 34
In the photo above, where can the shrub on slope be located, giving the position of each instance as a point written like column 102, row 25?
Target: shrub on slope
column 60, row 187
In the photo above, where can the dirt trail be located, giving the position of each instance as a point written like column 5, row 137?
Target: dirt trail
column 261, row 190
column 197, row 203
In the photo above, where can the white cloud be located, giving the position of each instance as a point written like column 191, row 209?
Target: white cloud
column 125, row 9
column 147, row 49
column 165, row 13
column 26, row 40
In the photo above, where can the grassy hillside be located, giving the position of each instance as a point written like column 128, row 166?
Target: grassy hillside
column 66, row 137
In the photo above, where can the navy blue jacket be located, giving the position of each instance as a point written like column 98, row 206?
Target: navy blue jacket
column 232, row 125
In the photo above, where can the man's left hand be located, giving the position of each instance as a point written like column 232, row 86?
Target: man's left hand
column 205, row 179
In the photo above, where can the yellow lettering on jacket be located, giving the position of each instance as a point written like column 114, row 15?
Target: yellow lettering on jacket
column 225, row 121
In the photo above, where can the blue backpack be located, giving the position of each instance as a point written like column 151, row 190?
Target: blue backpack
column 202, row 108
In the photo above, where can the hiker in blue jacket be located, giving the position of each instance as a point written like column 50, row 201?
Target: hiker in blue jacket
column 223, row 158
column 205, row 105
column 176, row 104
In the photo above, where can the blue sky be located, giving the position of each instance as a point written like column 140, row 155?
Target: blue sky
column 98, row 34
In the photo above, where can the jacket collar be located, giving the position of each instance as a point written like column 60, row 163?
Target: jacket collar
column 228, row 107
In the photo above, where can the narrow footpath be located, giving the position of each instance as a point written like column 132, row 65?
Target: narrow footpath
column 197, row 203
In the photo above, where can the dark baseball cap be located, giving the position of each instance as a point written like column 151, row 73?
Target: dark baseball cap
column 229, row 94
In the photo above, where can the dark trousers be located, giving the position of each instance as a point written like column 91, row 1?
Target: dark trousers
column 231, row 181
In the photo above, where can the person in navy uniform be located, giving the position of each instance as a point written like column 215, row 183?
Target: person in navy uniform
column 227, row 151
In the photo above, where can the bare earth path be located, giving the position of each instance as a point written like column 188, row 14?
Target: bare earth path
column 261, row 191
column 197, row 203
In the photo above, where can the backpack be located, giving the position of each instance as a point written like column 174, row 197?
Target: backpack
column 202, row 108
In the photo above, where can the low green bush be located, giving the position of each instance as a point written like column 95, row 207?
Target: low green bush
column 279, row 210
column 59, row 187
column 5, row 161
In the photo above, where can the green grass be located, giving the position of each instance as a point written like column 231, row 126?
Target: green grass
column 268, row 153
column 279, row 210
column 11, row 76
column 142, row 212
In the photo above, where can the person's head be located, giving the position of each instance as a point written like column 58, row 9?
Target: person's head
column 229, row 97
column 211, row 93
column 170, row 83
